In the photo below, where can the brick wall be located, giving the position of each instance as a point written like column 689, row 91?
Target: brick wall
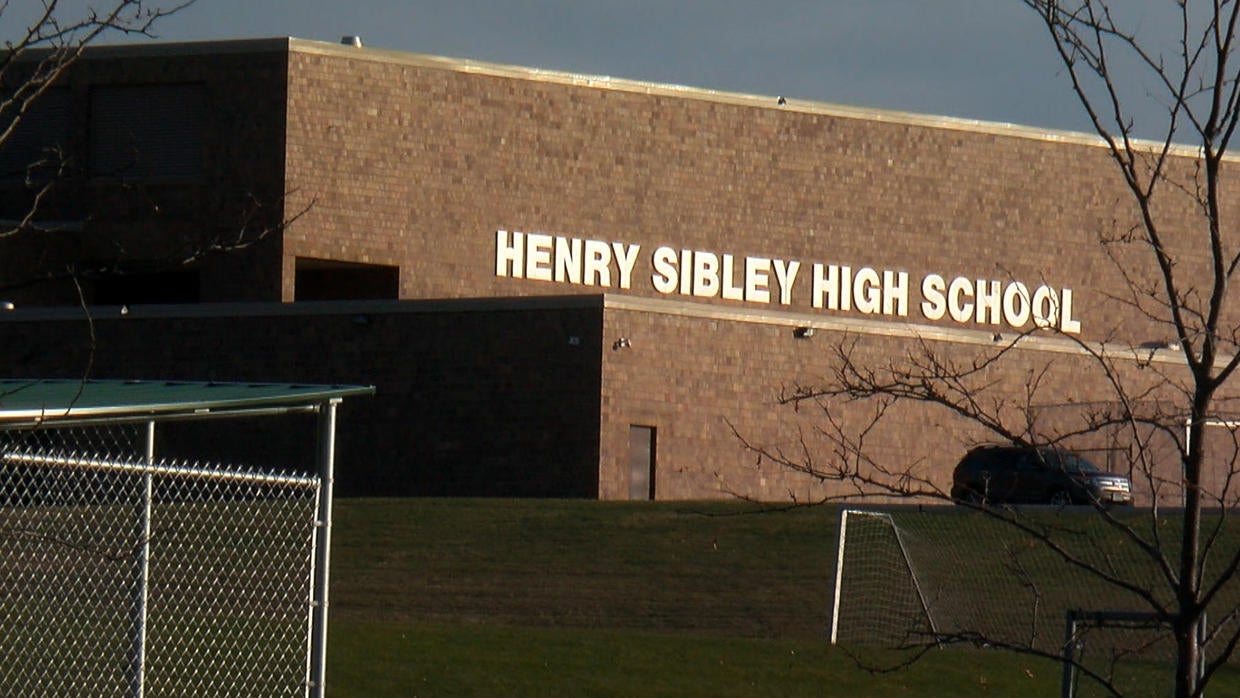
column 712, row 388
column 419, row 162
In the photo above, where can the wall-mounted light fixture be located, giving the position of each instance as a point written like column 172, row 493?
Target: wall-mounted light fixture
column 7, row 306
column 803, row 332
column 1151, row 348
column 622, row 343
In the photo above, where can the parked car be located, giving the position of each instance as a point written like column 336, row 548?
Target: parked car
column 1041, row 475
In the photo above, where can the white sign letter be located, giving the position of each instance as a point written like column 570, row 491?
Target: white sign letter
column 705, row 275
column 866, row 291
column 832, row 289
column 960, row 310
column 664, row 277
column 1066, row 322
column 757, row 280
column 934, row 303
column 989, row 296
column 1016, row 305
column 538, row 257
column 731, row 291
column 509, row 256
column 598, row 263
column 568, row 260
column 895, row 293
column 625, row 259
column 1045, row 307
column 786, row 274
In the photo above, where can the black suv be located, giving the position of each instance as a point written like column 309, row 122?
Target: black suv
column 1028, row 475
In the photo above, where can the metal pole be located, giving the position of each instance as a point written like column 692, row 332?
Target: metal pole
column 1067, row 686
column 841, row 538
column 912, row 573
column 137, row 679
column 1188, row 437
column 1202, row 636
column 322, row 549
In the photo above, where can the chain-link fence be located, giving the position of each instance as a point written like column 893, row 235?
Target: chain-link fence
column 124, row 575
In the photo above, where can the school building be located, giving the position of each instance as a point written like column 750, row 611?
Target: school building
column 560, row 285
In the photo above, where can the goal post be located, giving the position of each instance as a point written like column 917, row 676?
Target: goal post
column 1213, row 482
column 871, row 531
column 1120, row 634
column 914, row 577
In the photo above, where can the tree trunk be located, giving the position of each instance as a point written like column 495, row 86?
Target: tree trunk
column 1187, row 658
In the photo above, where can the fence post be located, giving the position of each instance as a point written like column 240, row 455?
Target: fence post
column 322, row 548
column 137, row 679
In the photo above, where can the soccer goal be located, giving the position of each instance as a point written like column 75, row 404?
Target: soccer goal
column 913, row 576
column 1129, row 650
column 1215, row 482
column 872, row 558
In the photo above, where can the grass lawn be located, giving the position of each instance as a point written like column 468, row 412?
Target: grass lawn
column 711, row 567
column 415, row 659
column 571, row 598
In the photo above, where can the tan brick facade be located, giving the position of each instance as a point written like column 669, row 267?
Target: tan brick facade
column 478, row 181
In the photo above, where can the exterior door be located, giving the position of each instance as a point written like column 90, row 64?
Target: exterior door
column 641, row 462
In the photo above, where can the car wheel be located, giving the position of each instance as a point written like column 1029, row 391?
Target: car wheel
column 1061, row 498
column 975, row 498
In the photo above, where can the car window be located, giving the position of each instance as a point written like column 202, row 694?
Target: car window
column 1025, row 460
column 983, row 460
column 1076, row 464
column 1047, row 458
column 1000, row 459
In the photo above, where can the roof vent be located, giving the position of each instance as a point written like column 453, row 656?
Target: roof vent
column 354, row 41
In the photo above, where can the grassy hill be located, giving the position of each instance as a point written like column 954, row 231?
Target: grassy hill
column 572, row 598
column 708, row 568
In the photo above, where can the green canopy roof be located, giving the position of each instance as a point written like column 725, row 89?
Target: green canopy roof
column 26, row 401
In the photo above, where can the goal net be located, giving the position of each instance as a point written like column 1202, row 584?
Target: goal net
column 879, row 568
column 1127, row 650
column 910, row 577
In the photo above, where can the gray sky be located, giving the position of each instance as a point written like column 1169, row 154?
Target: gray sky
column 977, row 59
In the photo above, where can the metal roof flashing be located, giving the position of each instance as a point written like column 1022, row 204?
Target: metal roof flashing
column 25, row 402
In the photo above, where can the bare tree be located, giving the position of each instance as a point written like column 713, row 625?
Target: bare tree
column 1177, row 277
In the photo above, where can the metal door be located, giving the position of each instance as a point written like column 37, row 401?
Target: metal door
column 641, row 461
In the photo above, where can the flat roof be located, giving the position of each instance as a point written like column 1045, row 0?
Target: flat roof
column 35, row 401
